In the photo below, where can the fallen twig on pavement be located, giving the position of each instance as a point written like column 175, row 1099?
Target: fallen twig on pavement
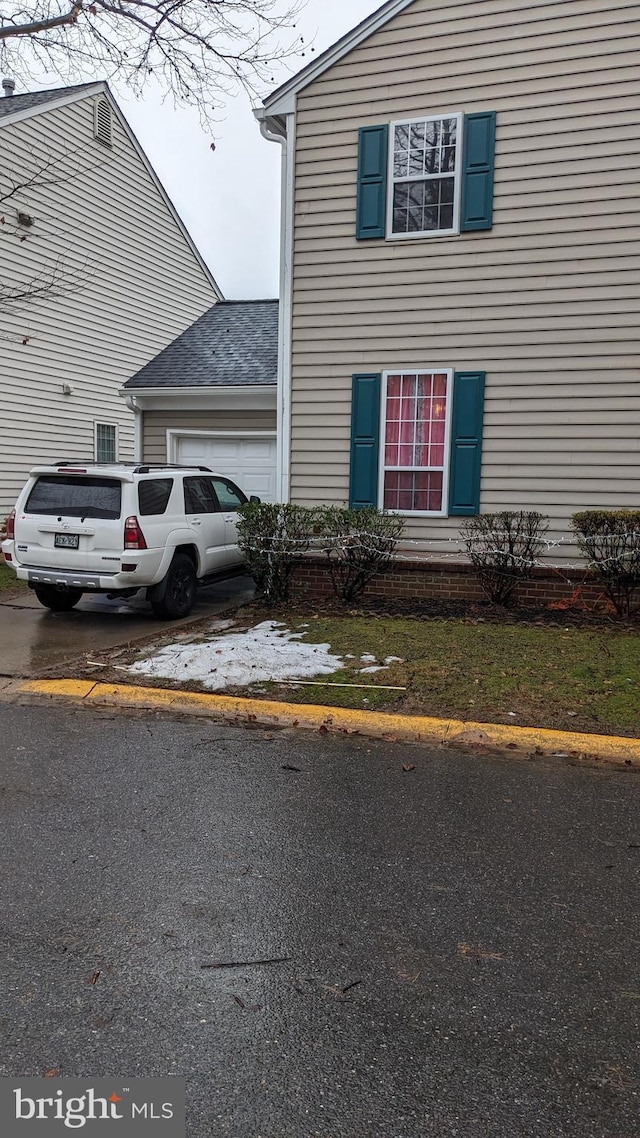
column 244, row 963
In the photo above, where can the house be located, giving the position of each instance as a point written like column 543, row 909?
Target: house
column 460, row 257
column 97, row 275
column 210, row 396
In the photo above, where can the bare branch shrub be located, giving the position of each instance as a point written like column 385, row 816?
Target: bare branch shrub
column 358, row 544
column 272, row 536
column 504, row 548
column 610, row 541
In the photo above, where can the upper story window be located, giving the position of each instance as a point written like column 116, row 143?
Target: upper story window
column 424, row 177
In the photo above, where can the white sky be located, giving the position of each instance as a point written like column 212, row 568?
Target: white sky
column 230, row 198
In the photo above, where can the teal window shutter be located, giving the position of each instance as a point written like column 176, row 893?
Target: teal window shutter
column 365, row 440
column 371, row 207
column 466, row 443
column 477, row 171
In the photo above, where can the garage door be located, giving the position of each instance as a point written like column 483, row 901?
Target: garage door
column 251, row 462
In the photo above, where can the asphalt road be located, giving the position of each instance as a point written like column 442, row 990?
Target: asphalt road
column 462, row 938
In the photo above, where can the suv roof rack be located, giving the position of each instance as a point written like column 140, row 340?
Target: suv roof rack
column 147, row 467
column 135, row 467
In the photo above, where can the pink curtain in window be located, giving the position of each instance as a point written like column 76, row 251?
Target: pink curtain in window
column 414, row 437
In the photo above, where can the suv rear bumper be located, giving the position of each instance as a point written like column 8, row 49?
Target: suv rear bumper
column 62, row 578
column 149, row 569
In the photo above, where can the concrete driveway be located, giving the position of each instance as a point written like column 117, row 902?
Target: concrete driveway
column 33, row 639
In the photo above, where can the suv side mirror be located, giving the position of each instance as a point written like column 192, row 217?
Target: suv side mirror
column 255, row 498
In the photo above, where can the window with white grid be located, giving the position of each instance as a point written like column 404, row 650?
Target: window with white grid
column 415, row 441
column 424, row 174
column 106, row 444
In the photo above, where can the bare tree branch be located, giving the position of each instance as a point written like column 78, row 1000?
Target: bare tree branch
column 198, row 50
column 43, row 25
column 59, row 268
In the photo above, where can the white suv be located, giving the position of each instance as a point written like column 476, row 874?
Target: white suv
column 116, row 528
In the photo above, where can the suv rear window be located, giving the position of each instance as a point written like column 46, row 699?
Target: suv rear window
column 154, row 494
column 75, row 496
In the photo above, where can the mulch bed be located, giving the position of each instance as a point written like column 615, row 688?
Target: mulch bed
column 473, row 612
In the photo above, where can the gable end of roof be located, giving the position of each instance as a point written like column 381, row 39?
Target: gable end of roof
column 282, row 100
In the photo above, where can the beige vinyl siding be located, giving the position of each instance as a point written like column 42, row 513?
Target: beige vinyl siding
column 137, row 285
column 546, row 303
column 157, row 423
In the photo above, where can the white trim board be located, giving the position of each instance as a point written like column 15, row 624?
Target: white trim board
column 248, row 398
column 282, row 101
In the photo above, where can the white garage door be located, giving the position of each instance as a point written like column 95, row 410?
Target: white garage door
column 251, row 462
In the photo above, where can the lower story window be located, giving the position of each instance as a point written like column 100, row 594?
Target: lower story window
column 106, row 443
column 416, row 413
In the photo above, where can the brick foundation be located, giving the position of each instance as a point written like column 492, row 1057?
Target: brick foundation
column 457, row 581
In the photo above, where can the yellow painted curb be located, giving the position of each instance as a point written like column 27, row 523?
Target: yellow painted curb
column 408, row 728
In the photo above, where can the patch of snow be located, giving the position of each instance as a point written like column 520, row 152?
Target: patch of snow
column 372, row 668
column 267, row 652
column 368, row 658
column 394, row 660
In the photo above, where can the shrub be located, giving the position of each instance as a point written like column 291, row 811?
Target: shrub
column 271, row 536
column 610, row 541
column 357, row 545
column 504, row 549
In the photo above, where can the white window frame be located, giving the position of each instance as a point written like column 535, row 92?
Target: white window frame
column 102, row 423
column 382, row 468
column 457, row 178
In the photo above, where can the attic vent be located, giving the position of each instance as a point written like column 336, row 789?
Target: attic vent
column 102, row 121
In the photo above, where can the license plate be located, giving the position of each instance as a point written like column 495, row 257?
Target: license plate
column 66, row 540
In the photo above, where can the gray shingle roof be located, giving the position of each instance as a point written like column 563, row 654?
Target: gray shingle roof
column 235, row 343
column 11, row 103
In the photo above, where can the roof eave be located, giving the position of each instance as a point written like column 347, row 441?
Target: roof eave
column 176, row 389
column 19, row 115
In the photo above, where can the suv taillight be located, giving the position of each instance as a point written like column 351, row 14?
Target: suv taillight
column 133, row 535
column 11, row 526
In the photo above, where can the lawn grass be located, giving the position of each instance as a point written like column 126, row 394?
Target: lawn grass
column 584, row 679
column 8, row 580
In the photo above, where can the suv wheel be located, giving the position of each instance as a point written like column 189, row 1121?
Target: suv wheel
column 58, row 600
column 178, row 591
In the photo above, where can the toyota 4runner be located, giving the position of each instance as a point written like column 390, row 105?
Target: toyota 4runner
column 116, row 528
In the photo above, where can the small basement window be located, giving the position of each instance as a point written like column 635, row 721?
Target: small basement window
column 102, row 122
column 106, row 442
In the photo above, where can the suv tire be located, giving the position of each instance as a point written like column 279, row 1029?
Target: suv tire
column 58, row 600
column 178, row 590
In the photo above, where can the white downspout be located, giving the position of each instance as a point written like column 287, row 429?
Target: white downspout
column 130, row 401
column 283, row 442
